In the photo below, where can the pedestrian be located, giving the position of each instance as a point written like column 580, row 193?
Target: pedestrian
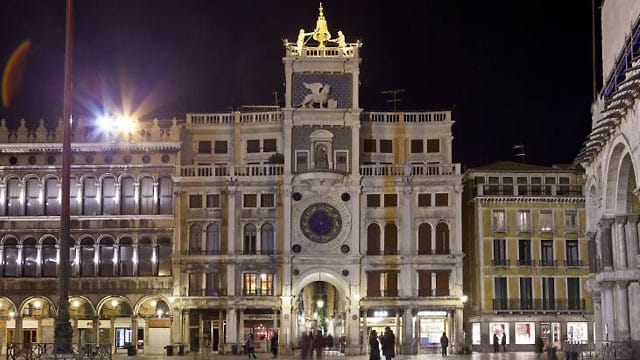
column 374, row 346
column 274, row 344
column 496, row 343
column 444, row 342
column 250, row 345
column 388, row 344
column 318, row 344
column 504, row 342
column 305, row 345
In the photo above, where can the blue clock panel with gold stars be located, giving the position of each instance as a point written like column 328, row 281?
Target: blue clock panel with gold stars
column 321, row 222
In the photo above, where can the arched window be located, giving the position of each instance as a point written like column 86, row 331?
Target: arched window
column 424, row 239
column 166, row 195
column 213, row 239
column 14, row 198
column 146, row 257
column 29, row 258
column 250, row 232
column 52, row 197
column 106, row 254
column 267, row 240
column 127, row 196
column 125, row 257
column 195, row 239
column 164, row 257
column 373, row 239
column 391, row 239
column 109, row 200
column 49, row 260
column 90, row 196
column 87, row 258
column 10, row 258
column 33, row 198
column 74, row 196
column 442, row 238
column 146, row 196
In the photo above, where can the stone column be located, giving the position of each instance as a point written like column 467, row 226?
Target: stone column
column 232, row 330
column 286, row 336
column 620, row 243
column 458, row 331
column 621, row 298
column 605, row 243
column 407, row 331
column 353, row 340
column 607, row 310
column 631, row 235
column 597, row 311
column 231, row 229
column 593, row 252
column 634, row 315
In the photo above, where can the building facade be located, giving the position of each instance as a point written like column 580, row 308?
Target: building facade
column 315, row 216
column 611, row 157
column 526, row 257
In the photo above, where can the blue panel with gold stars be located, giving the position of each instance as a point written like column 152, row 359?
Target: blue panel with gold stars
column 322, row 91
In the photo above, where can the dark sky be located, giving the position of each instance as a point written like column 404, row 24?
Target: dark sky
column 511, row 71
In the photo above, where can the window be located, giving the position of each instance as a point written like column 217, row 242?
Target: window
column 390, row 239
column 369, row 146
column 373, row 239
column 571, row 219
column 548, row 293
column 250, row 283
column 109, row 204
column 146, row 257
column 29, row 258
column 212, row 285
column 424, row 283
column 127, row 196
column 166, row 195
column 507, row 186
column 195, row 201
column 417, row 146
column 442, row 199
column 373, row 200
column 442, row 238
column 526, row 293
column 424, row 200
column 267, row 240
column 250, row 200
column 389, row 284
column 34, row 204
column 195, row 284
column 302, row 160
column 433, row 145
column 499, row 252
column 546, row 220
column 390, row 200
column 442, row 283
column 424, row 239
column 269, row 145
column 572, row 253
column 546, row 253
column 498, row 222
column 125, row 257
column 386, row 146
column 213, row 240
column 147, row 206
column 213, row 201
column 49, row 258
column 342, row 162
column 524, row 253
column 86, row 258
column 536, row 186
column 266, row 284
column 523, row 188
column 219, row 147
column 524, row 220
column 14, row 202
column 564, row 188
column 164, row 257
column 106, row 255
column 255, row 284
column 52, row 196
column 573, row 293
column 253, row 146
column 195, row 239
column 204, row 147
column 267, row 200
column 90, row 196
column 500, row 293
column 250, row 233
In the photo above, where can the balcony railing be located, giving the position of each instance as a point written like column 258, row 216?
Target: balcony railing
column 433, row 292
column 573, row 263
column 405, row 117
column 548, row 262
column 521, row 304
column 410, row 170
column 434, row 252
column 528, row 190
column 500, row 262
column 382, row 293
column 525, row 262
column 37, row 351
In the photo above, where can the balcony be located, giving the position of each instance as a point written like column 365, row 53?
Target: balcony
column 548, row 263
column 500, row 262
column 405, row 117
column 528, row 304
column 410, row 170
column 382, row 293
column 528, row 190
column 525, row 262
column 573, row 263
column 433, row 292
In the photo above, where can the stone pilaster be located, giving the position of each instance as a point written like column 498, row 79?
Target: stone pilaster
column 621, row 299
column 605, row 243
column 619, row 243
column 631, row 235
column 607, row 311
column 634, row 315
column 407, row 332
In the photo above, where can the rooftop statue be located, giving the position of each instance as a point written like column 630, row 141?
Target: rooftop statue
column 321, row 33
column 301, row 40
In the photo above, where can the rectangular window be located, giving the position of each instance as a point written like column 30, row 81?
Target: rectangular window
column 548, row 293
column 546, row 220
column 499, row 252
column 369, row 146
column 389, row 284
column 250, row 284
column 524, row 220
column 250, row 200
column 267, row 200
column 573, row 294
column 523, row 186
column 266, row 285
column 424, row 200
column 204, row 147
column 195, row 284
column 442, row 199
column 417, row 146
column 424, row 283
column 572, row 253
column 498, row 218
column 373, row 200
column 195, row 201
column 536, row 186
column 564, row 188
column 500, row 293
column 524, row 252
column 220, row 147
column 373, row 283
column 546, row 253
column 253, row 146
column 526, row 293
column 302, row 160
column 571, row 219
column 386, row 146
column 213, row 201
column 442, row 283
column 433, row 145
column 269, row 145
column 390, row 200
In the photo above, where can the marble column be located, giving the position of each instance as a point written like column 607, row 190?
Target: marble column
column 607, row 311
column 458, row 330
column 619, row 243
column 621, row 299
column 634, row 313
column 232, row 330
column 407, row 331
column 631, row 235
column 605, row 243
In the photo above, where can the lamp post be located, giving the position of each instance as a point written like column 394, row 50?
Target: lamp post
column 63, row 332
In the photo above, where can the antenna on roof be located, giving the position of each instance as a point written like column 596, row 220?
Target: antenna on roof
column 518, row 152
column 395, row 99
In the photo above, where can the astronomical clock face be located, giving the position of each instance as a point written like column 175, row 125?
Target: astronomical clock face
column 321, row 222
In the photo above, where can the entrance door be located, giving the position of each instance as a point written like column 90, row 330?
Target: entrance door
column 551, row 333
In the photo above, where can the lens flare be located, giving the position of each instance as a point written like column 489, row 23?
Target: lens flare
column 13, row 72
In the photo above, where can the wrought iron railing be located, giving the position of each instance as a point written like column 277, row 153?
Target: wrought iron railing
column 36, row 351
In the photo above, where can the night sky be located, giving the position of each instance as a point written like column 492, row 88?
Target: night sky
column 511, row 71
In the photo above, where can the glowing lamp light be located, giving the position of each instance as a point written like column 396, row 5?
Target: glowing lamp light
column 320, row 303
column 172, row 299
column 114, row 303
column 464, row 298
column 37, row 304
column 160, row 313
column 153, row 303
column 12, row 314
column 75, row 304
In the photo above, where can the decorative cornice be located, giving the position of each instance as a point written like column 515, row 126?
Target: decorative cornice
column 529, row 199
column 90, row 147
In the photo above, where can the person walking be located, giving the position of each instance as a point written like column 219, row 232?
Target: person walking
column 250, row 345
column 374, row 346
column 496, row 343
column 274, row 344
column 305, row 346
column 504, row 342
column 388, row 344
column 444, row 343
